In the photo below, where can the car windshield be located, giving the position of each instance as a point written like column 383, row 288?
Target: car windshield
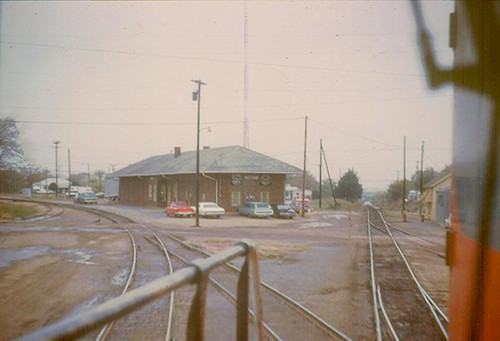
column 89, row 195
column 262, row 205
column 210, row 205
column 179, row 204
column 283, row 207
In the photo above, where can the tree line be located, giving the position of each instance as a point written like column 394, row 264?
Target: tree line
column 16, row 173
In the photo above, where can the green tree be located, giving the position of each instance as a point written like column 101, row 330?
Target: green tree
column 326, row 188
column 349, row 187
column 395, row 190
column 427, row 175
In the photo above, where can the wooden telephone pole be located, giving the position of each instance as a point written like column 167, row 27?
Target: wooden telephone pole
column 304, row 173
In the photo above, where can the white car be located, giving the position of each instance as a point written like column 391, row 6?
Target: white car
column 210, row 209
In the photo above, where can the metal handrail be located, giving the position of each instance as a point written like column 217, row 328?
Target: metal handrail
column 197, row 273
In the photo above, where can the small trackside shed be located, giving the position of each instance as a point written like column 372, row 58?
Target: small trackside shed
column 228, row 175
column 436, row 199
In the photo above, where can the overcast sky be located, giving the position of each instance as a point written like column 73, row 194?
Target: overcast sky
column 112, row 81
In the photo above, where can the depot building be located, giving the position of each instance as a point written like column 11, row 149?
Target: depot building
column 229, row 176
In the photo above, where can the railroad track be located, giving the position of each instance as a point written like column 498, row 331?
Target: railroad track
column 280, row 311
column 146, row 264
column 423, row 243
column 277, row 305
column 402, row 307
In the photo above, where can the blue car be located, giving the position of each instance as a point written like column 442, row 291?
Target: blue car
column 284, row 211
column 256, row 209
column 85, row 198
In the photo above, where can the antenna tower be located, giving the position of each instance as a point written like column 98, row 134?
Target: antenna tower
column 246, row 134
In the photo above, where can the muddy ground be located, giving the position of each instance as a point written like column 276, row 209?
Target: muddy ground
column 51, row 269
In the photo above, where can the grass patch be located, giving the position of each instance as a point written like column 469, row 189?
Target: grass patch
column 10, row 211
column 342, row 205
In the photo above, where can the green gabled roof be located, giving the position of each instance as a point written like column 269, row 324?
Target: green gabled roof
column 231, row 159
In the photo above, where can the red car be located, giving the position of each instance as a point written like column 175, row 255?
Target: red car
column 179, row 209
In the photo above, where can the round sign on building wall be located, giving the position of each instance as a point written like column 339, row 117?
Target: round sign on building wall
column 265, row 179
column 236, row 179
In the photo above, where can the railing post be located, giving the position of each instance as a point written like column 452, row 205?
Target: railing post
column 196, row 323
column 254, row 274
column 196, row 273
column 242, row 303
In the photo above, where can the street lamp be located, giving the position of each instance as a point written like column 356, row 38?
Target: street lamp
column 197, row 96
column 56, row 143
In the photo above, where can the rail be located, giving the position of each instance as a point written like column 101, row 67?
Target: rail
column 197, row 273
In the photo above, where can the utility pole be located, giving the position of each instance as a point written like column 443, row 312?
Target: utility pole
column 69, row 173
column 320, row 167
column 329, row 178
column 304, row 173
column 421, row 181
column 88, row 172
column 246, row 133
column 100, row 173
column 404, row 179
column 197, row 96
column 46, row 182
column 57, row 183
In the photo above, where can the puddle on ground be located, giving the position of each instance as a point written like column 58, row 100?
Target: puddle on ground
column 120, row 278
column 86, row 305
column 337, row 216
column 314, row 225
column 69, row 229
column 43, row 217
column 12, row 255
column 8, row 256
column 81, row 256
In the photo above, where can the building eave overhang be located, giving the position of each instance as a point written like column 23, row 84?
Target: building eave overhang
column 203, row 172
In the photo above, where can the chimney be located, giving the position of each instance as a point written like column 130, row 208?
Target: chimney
column 177, row 151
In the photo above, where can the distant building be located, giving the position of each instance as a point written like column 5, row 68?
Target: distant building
column 43, row 186
column 436, row 199
column 111, row 186
column 229, row 176
column 293, row 193
column 293, row 197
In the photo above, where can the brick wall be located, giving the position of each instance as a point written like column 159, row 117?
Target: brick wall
column 160, row 191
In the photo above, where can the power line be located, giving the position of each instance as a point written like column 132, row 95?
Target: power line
column 322, row 124
column 88, row 123
column 329, row 103
column 135, row 53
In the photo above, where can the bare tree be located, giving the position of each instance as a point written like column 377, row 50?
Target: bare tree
column 10, row 150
